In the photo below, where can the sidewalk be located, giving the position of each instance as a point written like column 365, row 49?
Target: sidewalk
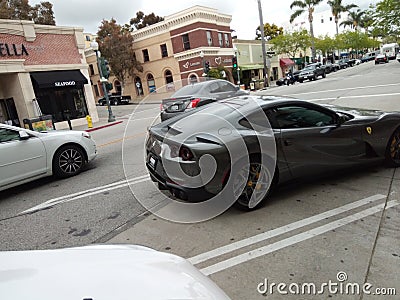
column 102, row 123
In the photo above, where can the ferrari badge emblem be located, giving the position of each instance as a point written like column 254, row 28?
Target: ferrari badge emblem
column 369, row 130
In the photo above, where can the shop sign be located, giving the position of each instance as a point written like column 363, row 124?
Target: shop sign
column 64, row 83
column 12, row 50
column 189, row 64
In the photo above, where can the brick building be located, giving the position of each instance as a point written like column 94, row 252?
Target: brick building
column 43, row 66
column 173, row 52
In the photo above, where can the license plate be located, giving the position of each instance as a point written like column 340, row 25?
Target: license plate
column 174, row 107
column 152, row 162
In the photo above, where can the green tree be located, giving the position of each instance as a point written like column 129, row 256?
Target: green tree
column 337, row 7
column 270, row 31
column 115, row 44
column 43, row 14
column 21, row 10
column 354, row 19
column 141, row 20
column 325, row 44
column 387, row 20
column 306, row 6
column 291, row 43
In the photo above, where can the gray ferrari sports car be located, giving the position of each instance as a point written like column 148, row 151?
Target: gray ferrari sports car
column 241, row 148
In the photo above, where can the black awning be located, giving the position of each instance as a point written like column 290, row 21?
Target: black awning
column 55, row 79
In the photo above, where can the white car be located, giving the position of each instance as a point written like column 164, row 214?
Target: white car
column 26, row 155
column 102, row 272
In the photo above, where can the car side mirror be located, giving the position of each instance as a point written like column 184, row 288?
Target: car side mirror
column 23, row 135
column 341, row 119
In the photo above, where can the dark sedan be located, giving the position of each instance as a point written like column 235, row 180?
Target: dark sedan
column 258, row 142
column 198, row 94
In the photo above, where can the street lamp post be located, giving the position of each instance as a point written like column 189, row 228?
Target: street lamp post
column 95, row 47
column 202, row 63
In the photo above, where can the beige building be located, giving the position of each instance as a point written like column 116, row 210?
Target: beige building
column 43, row 70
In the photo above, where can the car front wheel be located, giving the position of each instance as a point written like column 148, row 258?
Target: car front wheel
column 393, row 149
column 68, row 161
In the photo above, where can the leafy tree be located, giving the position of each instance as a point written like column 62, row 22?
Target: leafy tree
column 143, row 20
column 354, row 19
column 217, row 72
column 387, row 20
column 270, row 31
column 115, row 44
column 325, row 44
column 337, row 7
column 43, row 14
column 21, row 10
column 356, row 41
column 291, row 43
column 306, row 6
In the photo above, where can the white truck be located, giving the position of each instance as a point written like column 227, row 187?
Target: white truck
column 391, row 50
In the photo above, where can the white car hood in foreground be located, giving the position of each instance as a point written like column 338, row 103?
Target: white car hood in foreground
column 102, row 272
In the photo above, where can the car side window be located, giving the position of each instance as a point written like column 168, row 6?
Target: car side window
column 214, row 88
column 7, row 135
column 226, row 87
column 300, row 117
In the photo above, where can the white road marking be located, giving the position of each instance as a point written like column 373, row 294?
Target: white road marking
column 294, row 239
column 86, row 193
column 281, row 230
column 347, row 89
column 358, row 96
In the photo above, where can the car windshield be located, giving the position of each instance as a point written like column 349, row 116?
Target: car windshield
column 190, row 89
column 309, row 68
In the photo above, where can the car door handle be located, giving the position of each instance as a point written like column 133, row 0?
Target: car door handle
column 288, row 142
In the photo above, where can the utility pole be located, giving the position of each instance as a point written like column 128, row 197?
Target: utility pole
column 263, row 44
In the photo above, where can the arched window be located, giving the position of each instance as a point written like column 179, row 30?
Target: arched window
column 117, row 87
column 168, row 77
column 139, row 88
column 193, row 79
column 151, row 83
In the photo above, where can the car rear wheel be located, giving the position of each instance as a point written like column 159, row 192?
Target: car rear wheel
column 393, row 149
column 68, row 161
column 257, row 182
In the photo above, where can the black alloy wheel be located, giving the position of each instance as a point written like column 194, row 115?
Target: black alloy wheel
column 393, row 149
column 68, row 161
column 256, row 180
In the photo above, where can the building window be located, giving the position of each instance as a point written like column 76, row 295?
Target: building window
column 91, row 69
column 88, row 38
column 322, row 20
column 145, row 55
column 151, row 83
column 164, row 51
column 96, row 90
column 330, row 18
column 226, row 37
column 209, row 38
column 186, row 43
column 220, row 41
column 134, row 56
column 168, row 77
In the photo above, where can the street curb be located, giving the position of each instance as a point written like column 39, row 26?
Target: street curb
column 103, row 126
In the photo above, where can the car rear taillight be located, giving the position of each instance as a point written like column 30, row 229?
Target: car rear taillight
column 193, row 103
column 185, row 153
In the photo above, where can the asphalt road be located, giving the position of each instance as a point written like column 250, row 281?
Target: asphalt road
column 307, row 232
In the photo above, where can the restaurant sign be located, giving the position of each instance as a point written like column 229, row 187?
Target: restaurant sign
column 12, row 50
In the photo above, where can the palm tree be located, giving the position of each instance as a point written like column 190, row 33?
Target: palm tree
column 306, row 6
column 337, row 8
column 354, row 19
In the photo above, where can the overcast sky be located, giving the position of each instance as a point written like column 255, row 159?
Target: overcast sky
column 245, row 19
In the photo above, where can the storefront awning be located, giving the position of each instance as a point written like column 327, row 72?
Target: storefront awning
column 284, row 62
column 251, row 67
column 54, row 79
